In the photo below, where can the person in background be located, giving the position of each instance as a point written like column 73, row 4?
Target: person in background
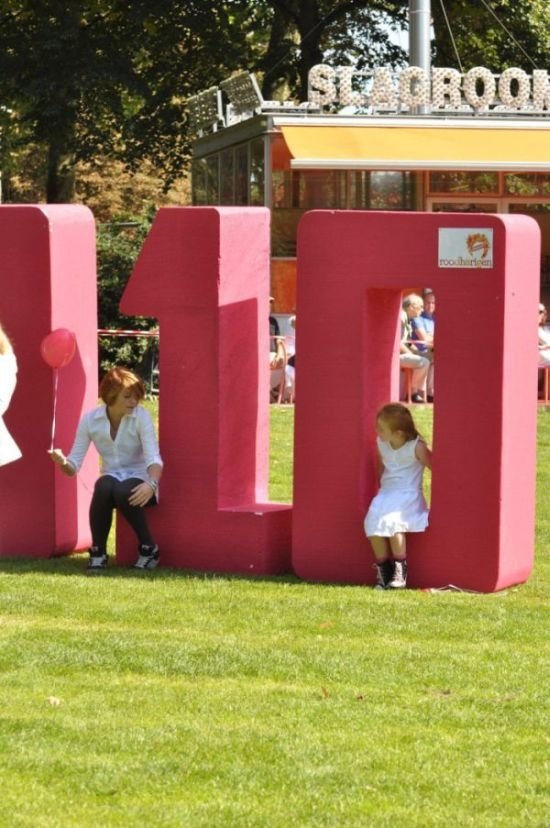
column 124, row 435
column 544, row 338
column 423, row 327
column 9, row 450
column 290, row 370
column 276, row 351
column 400, row 506
column 409, row 355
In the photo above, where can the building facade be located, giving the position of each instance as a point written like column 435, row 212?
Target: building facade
column 472, row 143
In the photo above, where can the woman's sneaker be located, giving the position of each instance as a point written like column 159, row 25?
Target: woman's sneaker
column 148, row 557
column 399, row 580
column 384, row 574
column 98, row 560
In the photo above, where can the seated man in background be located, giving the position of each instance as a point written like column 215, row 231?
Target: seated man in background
column 276, row 354
column 544, row 338
column 423, row 330
column 409, row 355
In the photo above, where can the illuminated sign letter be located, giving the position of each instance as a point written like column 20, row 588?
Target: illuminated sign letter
column 382, row 93
column 347, row 96
column 541, row 89
column 414, row 88
column 322, row 85
column 518, row 78
column 484, row 99
column 446, row 88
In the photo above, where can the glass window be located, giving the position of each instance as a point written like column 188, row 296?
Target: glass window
column 227, row 177
column 199, row 181
column 284, row 227
column 257, row 177
column 321, row 189
column 529, row 207
column 464, row 207
column 464, row 182
column 381, row 190
column 388, row 190
column 357, row 190
column 527, row 184
column 212, row 180
column 241, row 174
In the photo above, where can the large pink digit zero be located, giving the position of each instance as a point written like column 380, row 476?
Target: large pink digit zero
column 352, row 269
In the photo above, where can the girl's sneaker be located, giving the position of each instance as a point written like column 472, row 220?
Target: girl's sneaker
column 384, row 574
column 399, row 580
column 148, row 557
column 98, row 560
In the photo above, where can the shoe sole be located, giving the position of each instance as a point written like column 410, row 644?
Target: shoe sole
column 146, row 567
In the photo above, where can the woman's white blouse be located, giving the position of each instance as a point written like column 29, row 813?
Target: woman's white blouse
column 130, row 454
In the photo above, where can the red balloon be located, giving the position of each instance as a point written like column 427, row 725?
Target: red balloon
column 58, row 347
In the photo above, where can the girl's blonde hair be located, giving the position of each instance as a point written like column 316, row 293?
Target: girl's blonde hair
column 398, row 418
column 5, row 344
column 118, row 379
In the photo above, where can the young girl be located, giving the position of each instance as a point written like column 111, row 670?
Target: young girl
column 124, row 436
column 399, row 507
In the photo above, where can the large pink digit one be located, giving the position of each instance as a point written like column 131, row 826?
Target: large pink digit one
column 352, row 267
column 204, row 273
column 48, row 281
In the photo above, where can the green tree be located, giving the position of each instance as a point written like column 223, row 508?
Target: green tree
column 118, row 245
column 305, row 32
column 496, row 34
column 106, row 78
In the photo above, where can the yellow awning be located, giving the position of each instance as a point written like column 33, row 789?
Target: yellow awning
column 426, row 146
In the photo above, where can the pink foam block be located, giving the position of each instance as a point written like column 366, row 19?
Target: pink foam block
column 48, row 281
column 352, row 267
column 204, row 273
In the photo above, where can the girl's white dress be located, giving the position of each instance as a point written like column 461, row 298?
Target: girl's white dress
column 400, row 505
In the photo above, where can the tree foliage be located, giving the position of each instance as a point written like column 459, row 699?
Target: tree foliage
column 118, row 245
column 305, row 32
column 107, row 78
column 496, row 34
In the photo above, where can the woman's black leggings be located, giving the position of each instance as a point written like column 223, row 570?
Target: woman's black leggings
column 109, row 494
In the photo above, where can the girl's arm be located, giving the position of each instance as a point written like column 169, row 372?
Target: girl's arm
column 423, row 454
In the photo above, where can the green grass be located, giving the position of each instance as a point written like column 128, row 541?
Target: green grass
column 183, row 699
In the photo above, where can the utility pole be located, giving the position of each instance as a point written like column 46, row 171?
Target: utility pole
column 419, row 38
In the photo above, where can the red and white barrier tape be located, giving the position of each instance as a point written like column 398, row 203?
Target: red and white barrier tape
column 116, row 332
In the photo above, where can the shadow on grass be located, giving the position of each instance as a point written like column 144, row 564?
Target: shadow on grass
column 75, row 565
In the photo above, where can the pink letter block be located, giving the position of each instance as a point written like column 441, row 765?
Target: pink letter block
column 352, row 268
column 48, row 279
column 204, row 273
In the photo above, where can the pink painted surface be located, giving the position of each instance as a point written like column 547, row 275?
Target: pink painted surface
column 204, row 274
column 48, row 280
column 352, row 267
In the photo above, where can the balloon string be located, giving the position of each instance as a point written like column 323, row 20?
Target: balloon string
column 56, row 376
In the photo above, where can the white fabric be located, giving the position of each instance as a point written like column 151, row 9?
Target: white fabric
column 9, row 450
column 400, row 505
column 544, row 353
column 132, row 451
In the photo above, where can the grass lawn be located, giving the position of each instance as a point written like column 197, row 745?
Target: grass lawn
column 181, row 699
